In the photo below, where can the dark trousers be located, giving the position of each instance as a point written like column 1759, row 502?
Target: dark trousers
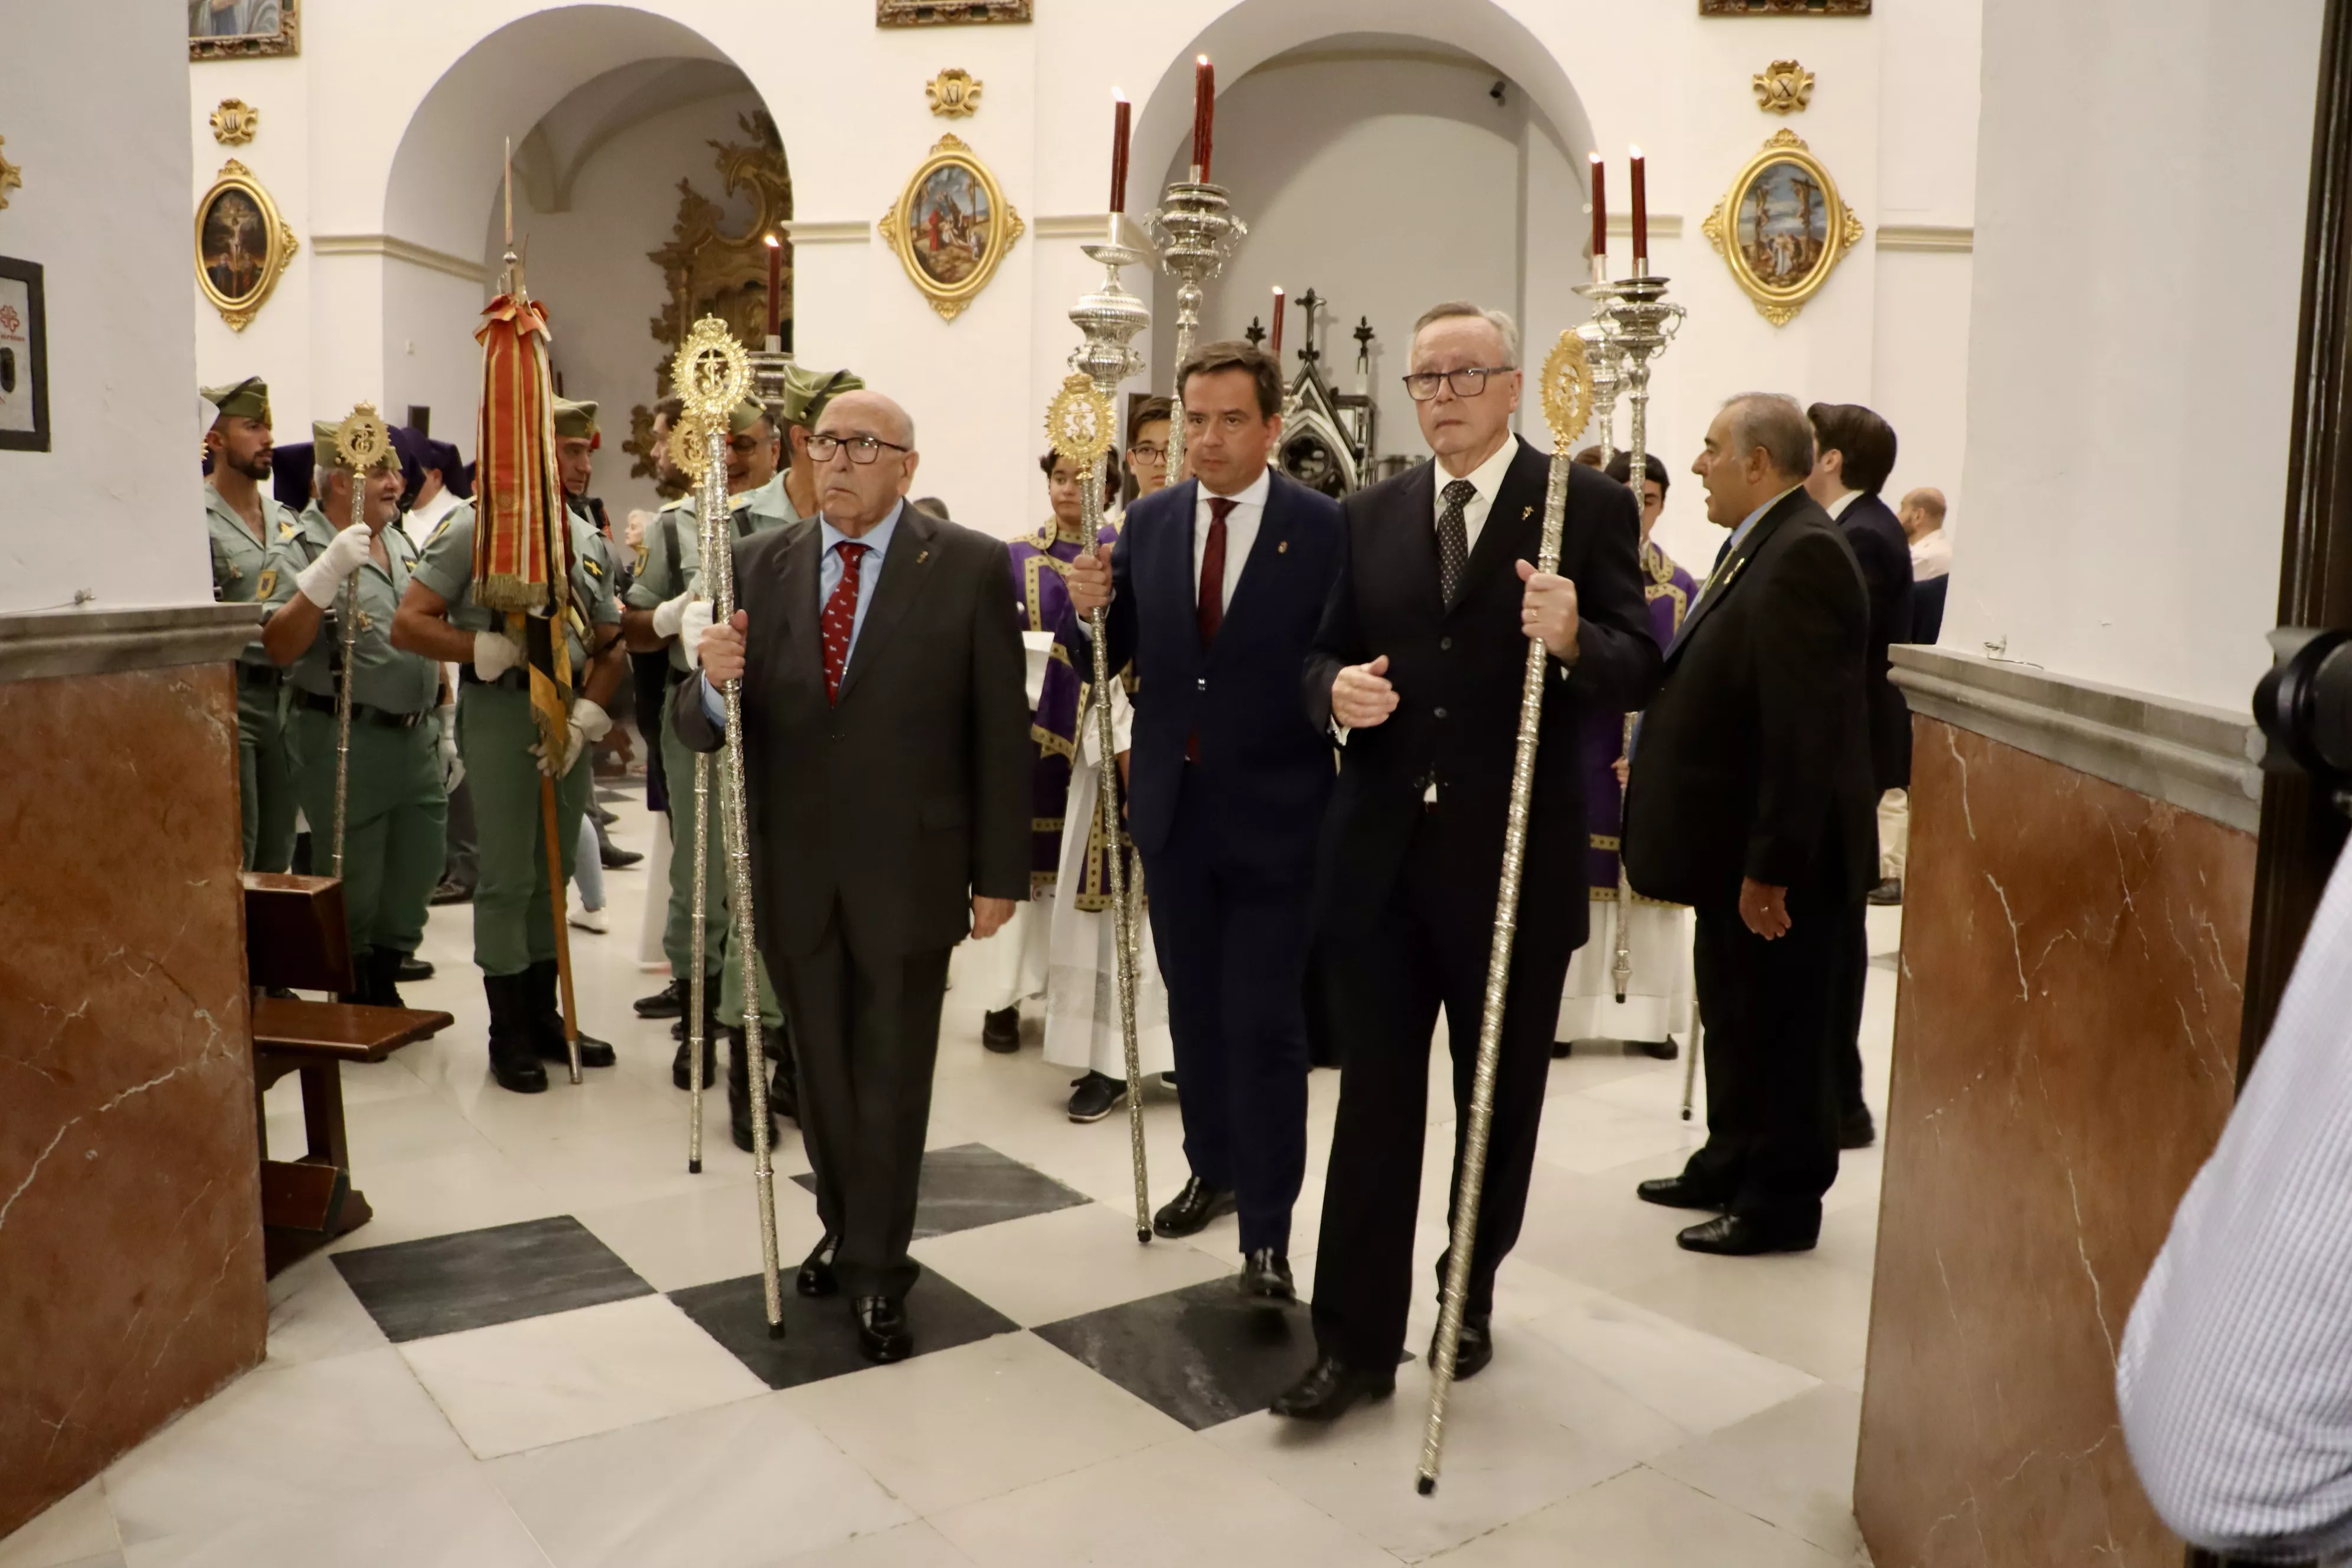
column 648, row 684
column 1428, row 950
column 1232, row 946
column 1853, row 981
column 1773, row 1010
column 457, row 860
column 865, row 1036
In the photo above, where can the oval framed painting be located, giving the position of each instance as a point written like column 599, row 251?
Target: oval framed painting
column 1783, row 228
column 242, row 245
column 950, row 226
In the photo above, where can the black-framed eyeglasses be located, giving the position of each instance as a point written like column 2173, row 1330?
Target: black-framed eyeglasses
column 1468, row 383
column 1143, row 453
column 862, row 449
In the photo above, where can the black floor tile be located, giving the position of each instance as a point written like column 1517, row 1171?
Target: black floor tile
column 820, row 1341
column 1204, row 1354
column 476, row 1277
column 972, row 1185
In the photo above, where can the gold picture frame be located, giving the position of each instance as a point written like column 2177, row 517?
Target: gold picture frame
column 948, row 13
column 1783, row 228
column 243, row 29
column 242, row 245
column 950, row 226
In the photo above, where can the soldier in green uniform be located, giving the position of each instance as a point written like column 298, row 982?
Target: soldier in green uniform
column 246, row 524
column 396, row 810
column 514, row 910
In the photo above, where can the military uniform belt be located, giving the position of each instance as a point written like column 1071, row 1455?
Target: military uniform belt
column 268, row 675
column 365, row 713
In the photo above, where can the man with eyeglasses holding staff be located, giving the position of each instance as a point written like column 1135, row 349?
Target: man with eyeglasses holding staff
column 1417, row 669
column 885, row 754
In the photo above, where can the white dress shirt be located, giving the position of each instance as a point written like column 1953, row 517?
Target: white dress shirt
column 1487, row 477
column 1837, row 508
column 1931, row 557
column 1241, row 531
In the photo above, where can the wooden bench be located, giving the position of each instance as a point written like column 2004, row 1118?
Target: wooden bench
column 296, row 939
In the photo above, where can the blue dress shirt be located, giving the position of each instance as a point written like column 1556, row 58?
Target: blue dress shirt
column 830, row 568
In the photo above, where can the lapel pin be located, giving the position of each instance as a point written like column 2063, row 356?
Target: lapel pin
column 922, row 556
column 1526, row 512
column 1282, row 547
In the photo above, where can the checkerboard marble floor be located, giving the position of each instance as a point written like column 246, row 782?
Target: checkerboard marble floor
column 549, row 1347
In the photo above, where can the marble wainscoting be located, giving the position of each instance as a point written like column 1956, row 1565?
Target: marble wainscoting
column 2065, row 1049
column 130, row 1282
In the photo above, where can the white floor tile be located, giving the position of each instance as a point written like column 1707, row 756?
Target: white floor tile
column 710, row 1231
column 454, row 1519
column 1792, row 1465
column 739, row 1487
column 77, row 1526
column 980, row 1420
column 1792, row 1308
column 569, row 1374
column 1639, row 1519
column 313, row 1316
column 916, row 1545
column 1695, row 1380
column 1049, row 1266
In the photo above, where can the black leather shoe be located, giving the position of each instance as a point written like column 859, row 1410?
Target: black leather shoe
column 514, row 1063
column 411, row 968
column 547, row 1023
column 682, row 1065
column 817, row 1277
column 1856, row 1130
column 1679, row 1192
column 1473, row 1351
column 1562, row 1049
column 1663, row 1050
column 1096, row 1096
column 1888, row 893
column 1190, row 1211
column 1265, row 1274
column 450, row 891
column 1745, row 1235
column 1329, row 1387
column 1001, row 1031
column 617, row 859
column 669, row 1002
column 882, row 1333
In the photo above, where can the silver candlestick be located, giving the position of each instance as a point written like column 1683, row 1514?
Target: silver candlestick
column 1196, row 231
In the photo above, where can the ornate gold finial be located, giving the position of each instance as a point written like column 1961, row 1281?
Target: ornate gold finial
column 1568, row 389
column 362, row 439
column 1784, row 87
column 235, row 122
column 954, row 93
column 689, row 452
column 1079, row 421
column 712, row 372
column 11, row 177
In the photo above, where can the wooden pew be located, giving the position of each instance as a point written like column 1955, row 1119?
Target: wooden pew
column 296, row 939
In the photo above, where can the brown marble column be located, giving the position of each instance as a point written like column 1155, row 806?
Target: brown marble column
column 130, row 1282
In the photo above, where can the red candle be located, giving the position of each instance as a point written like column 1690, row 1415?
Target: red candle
column 1119, row 154
column 1599, row 209
column 1205, row 113
column 1277, row 324
column 1641, row 215
column 776, row 287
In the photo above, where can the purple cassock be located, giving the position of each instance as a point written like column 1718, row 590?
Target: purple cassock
column 1670, row 591
column 1041, row 596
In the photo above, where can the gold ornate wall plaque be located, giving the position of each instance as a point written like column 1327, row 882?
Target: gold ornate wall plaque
column 947, row 12
column 1783, row 228
column 243, row 29
column 242, row 245
column 12, row 178
column 954, row 94
column 950, row 226
column 1784, row 8
column 235, row 122
column 1784, row 87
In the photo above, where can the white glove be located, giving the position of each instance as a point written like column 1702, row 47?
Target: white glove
column 453, row 766
column 495, row 653
column 692, row 624
column 320, row 579
column 669, row 616
column 588, row 723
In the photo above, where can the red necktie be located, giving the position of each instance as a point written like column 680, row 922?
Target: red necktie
column 840, row 617
column 1212, row 598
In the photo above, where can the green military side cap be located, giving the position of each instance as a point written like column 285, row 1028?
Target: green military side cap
column 574, row 420
column 745, row 416
column 806, row 392
column 326, row 454
column 246, row 399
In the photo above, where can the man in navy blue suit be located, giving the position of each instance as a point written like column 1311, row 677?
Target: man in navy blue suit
column 1215, row 587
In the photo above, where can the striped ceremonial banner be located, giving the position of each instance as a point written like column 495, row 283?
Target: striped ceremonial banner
column 522, row 556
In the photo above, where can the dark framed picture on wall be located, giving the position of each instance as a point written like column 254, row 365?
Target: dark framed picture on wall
column 24, row 358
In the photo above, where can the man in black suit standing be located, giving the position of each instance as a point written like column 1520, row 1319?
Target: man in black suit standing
column 1418, row 669
column 1853, row 455
column 1214, row 587
column 1750, row 800
column 885, row 754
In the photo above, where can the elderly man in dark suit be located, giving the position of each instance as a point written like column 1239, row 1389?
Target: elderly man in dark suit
column 1215, row 588
column 886, row 750
column 1418, row 670
column 1750, row 799
column 1853, row 454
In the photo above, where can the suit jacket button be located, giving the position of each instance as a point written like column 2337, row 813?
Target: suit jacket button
column 1441, row 713
column 1445, row 645
column 1202, row 684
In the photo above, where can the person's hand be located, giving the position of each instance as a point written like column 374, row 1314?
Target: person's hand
column 670, row 615
column 495, row 653
column 988, row 916
column 1623, row 768
column 1547, row 611
column 1361, row 696
column 453, row 765
column 321, row 580
column 719, row 648
column 1764, row 909
column 1090, row 580
column 587, row 725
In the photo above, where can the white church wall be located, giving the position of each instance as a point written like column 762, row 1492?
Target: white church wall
column 2127, row 435
column 104, row 209
column 276, row 343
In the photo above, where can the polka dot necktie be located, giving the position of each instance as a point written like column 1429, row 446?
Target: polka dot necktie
column 841, row 616
column 1453, row 539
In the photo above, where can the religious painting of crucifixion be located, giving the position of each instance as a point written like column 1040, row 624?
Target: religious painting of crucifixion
column 1782, row 229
